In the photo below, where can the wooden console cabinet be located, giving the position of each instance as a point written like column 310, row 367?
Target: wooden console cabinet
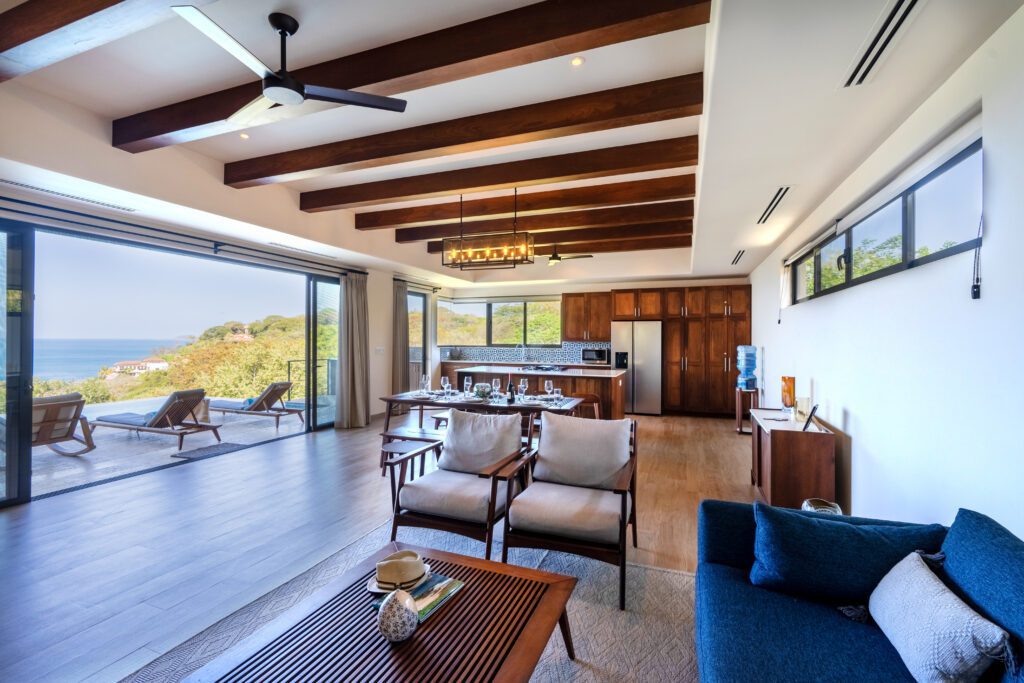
column 789, row 465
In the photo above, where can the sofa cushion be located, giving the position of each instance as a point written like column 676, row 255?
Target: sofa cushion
column 581, row 452
column 746, row 633
column 828, row 559
column 474, row 442
column 985, row 566
column 569, row 511
column 452, row 494
column 938, row 636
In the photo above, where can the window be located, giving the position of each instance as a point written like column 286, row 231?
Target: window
column 878, row 240
column 947, row 208
column 416, row 304
column 461, row 324
column 935, row 217
column 500, row 323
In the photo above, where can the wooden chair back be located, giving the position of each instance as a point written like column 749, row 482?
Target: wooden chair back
column 54, row 418
column 271, row 395
column 178, row 407
column 591, row 403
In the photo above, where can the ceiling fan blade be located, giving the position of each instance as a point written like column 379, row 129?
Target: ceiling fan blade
column 554, row 261
column 250, row 112
column 566, row 258
column 218, row 35
column 360, row 99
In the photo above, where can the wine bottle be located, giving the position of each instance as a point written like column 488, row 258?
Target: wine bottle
column 511, row 390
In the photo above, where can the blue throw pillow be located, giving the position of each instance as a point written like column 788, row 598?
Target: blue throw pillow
column 985, row 566
column 831, row 559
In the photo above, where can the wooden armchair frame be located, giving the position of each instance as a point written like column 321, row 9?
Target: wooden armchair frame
column 480, row 531
column 625, row 486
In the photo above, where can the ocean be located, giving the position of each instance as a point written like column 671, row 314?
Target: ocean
column 83, row 358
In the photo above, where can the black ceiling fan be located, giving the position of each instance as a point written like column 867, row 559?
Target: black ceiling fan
column 555, row 259
column 279, row 87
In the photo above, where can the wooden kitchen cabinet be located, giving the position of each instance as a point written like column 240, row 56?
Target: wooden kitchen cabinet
column 723, row 336
column 637, row 304
column 672, row 364
column 729, row 301
column 675, row 303
column 587, row 316
column 694, row 365
column 695, row 302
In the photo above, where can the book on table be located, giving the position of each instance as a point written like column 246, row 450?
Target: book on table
column 430, row 595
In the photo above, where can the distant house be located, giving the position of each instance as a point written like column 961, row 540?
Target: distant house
column 135, row 368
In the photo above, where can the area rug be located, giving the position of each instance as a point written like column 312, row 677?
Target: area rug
column 210, row 451
column 653, row 640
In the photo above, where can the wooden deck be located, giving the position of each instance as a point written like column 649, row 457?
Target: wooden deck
column 120, row 452
column 99, row 582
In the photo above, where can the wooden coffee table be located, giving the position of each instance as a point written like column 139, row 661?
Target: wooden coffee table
column 494, row 628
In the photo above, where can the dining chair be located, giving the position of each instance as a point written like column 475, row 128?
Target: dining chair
column 579, row 492
column 591, row 403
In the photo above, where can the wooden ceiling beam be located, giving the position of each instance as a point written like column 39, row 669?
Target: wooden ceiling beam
column 680, row 242
column 632, row 105
column 530, row 203
column 524, row 35
column 38, row 33
column 661, row 212
column 605, row 234
column 597, row 163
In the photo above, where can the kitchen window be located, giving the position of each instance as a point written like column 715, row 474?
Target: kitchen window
column 935, row 217
column 499, row 323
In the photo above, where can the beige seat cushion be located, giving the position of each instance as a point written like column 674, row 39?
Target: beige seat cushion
column 474, row 442
column 581, row 452
column 568, row 511
column 452, row 494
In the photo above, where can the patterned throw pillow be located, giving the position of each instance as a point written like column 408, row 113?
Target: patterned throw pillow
column 936, row 634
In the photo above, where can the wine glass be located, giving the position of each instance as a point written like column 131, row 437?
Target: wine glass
column 446, row 385
column 524, row 384
column 496, row 387
column 425, row 383
column 549, row 387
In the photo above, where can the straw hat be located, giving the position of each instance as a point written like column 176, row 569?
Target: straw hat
column 402, row 570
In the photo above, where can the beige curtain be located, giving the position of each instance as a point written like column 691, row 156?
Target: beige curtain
column 354, row 355
column 400, row 344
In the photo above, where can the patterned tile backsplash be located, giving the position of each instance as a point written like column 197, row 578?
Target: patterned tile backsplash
column 570, row 353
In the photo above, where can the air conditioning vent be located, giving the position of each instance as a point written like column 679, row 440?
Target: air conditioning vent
column 779, row 194
column 64, row 195
column 882, row 38
column 738, row 256
column 298, row 249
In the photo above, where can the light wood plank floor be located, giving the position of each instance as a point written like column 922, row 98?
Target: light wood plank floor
column 100, row 581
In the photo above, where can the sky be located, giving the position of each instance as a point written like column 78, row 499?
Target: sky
column 86, row 289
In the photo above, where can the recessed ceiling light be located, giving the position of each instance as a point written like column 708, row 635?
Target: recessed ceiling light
column 244, row 136
column 577, row 61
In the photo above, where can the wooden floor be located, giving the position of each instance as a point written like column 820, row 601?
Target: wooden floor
column 98, row 582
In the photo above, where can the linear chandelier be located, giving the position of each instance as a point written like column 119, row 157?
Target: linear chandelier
column 488, row 251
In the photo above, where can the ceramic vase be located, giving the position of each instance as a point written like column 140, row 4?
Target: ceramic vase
column 397, row 618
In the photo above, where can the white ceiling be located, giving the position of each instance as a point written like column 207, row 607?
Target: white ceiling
column 774, row 112
column 777, row 114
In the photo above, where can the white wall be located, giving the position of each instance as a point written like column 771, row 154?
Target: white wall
column 922, row 381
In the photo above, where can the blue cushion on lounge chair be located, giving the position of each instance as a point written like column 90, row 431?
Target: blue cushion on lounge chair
column 132, row 419
column 746, row 633
column 230, row 405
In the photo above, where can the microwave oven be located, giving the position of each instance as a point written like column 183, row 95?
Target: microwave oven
column 595, row 356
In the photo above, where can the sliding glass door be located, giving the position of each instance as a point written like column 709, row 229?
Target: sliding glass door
column 417, row 305
column 325, row 313
column 16, row 247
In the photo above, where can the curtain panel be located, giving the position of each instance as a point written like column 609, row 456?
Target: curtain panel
column 400, row 378
column 354, row 354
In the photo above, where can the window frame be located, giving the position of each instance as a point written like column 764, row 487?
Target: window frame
column 490, row 327
column 908, row 260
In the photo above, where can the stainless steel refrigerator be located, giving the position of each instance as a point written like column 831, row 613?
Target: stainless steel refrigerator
column 636, row 348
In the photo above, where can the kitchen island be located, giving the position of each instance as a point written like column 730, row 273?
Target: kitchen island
column 607, row 384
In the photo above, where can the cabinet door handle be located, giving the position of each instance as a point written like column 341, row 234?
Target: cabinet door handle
column 682, row 311
column 684, row 363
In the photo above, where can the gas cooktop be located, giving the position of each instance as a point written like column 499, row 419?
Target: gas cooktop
column 544, row 368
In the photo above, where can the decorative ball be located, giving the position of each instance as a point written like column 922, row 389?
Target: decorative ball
column 397, row 619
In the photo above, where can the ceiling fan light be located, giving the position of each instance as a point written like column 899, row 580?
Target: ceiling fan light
column 283, row 89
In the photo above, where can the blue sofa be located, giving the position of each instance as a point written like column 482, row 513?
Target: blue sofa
column 747, row 633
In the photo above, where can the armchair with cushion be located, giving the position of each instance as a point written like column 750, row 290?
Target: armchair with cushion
column 462, row 495
column 580, row 492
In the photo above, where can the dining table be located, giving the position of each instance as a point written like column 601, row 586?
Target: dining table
column 565, row 405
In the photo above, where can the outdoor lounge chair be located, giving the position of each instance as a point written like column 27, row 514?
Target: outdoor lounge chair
column 54, row 419
column 169, row 419
column 266, row 404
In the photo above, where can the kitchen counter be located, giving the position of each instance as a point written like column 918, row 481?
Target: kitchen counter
column 607, row 384
column 460, row 363
column 595, row 372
